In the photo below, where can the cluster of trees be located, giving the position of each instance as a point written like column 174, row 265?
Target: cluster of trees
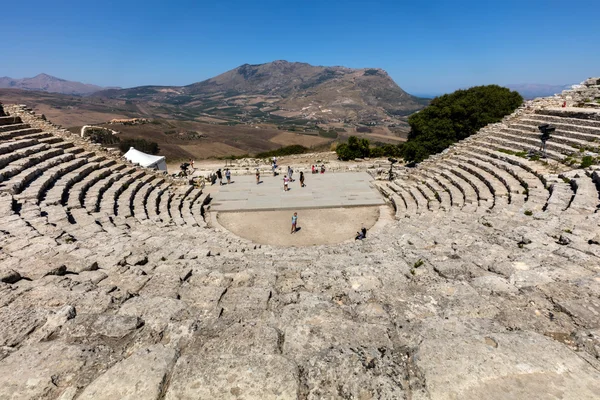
column 139, row 144
column 106, row 138
column 283, row 151
column 102, row 136
column 456, row 116
column 361, row 148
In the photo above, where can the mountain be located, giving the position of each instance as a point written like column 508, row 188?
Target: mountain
column 282, row 90
column 533, row 90
column 48, row 83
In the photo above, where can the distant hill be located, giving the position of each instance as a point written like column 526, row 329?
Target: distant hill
column 282, row 90
column 51, row 84
column 532, row 90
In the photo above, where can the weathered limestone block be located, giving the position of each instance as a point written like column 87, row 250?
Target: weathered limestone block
column 18, row 322
column 105, row 325
column 245, row 302
column 504, row 366
column 141, row 376
column 156, row 312
column 43, row 370
column 267, row 377
column 358, row 373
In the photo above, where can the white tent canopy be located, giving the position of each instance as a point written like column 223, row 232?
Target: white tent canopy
column 146, row 160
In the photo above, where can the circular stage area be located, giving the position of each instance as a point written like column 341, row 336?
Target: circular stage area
column 331, row 208
column 316, row 226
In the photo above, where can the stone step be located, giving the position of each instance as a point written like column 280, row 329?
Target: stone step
column 495, row 186
column 164, row 203
column 534, row 185
column 587, row 197
column 560, row 198
column 398, row 202
column 22, row 153
column 108, row 199
column 433, row 200
column 465, row 187
column 58, row 194
column 554, row 150
column 456, row 196
column 13, row 127
column 558, row 140
column 17, row 166
column 514, row 187
column 20, row 133
column 140, row 202
column 75, row 197
column 19, row 181
column 10, row 120
column 176, row 204
column 154, row 199
column 484, row 194
column 198, row 209
column 439, row 192
column 411, row 206
column 552, row 119
column 37, row 188
column 11, row 146
column 500, row 142
column 125, row 202
column 186, row 209
column 93, row 195
column 581, row 132
column 584, row 114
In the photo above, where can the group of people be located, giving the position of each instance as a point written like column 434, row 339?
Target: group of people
column 289, row 177
column 315, row 169
column 219, row 176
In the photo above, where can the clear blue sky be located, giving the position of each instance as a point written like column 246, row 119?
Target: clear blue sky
column 426, row 46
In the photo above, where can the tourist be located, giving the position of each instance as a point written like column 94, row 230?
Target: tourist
column 322, row 168
column 291, row 172
column 285, row 183
column 314, row 171
column 192, row 163
column 302, row 179
column 257, row 176
column 294, row 222
column 228, row 175
column 362, row 234
column 220, row 176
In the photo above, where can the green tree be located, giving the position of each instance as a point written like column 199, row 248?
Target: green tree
column 355, row 148
column 456, row 116
column 139, row 144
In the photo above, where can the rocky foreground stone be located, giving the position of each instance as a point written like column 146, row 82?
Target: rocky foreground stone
column 117, row 288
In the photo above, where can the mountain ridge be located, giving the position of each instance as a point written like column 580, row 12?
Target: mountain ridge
column 287, row 90
column 51, row 84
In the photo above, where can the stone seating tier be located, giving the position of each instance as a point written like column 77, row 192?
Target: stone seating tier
column 144, row 299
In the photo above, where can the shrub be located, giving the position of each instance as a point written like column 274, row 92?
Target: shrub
column 330, row 134
column 283, row 151
column 139, row 144
column 453, row 117
column 102, row 136
column 529, row 213
column 586, row 161
column 355, row 148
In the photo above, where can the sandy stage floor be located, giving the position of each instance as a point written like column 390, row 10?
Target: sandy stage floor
column 317, row 226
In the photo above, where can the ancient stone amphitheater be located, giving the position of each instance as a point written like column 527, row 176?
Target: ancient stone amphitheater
column 485, row 286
